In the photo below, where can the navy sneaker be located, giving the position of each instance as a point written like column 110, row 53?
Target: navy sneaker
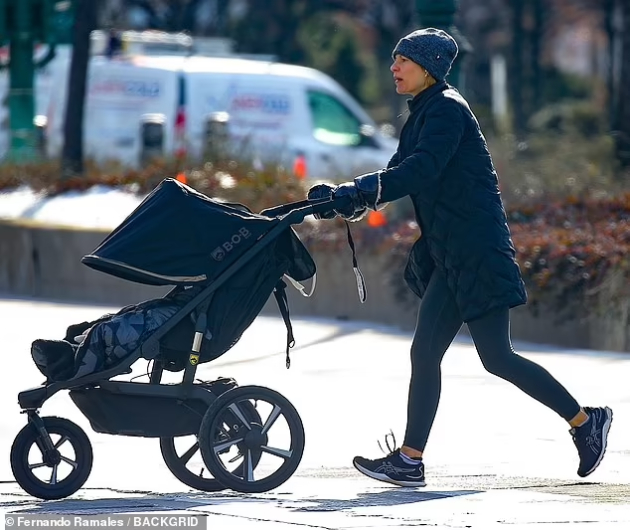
column 392, row 468
column 591, row 438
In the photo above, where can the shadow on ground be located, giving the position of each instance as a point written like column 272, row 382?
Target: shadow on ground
column 113, row 501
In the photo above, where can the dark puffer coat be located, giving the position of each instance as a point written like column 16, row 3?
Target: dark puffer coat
column 444, row 165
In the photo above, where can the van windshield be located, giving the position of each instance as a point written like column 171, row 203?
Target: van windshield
column 333, row 123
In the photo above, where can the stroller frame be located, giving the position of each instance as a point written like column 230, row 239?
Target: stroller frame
column 38, row 428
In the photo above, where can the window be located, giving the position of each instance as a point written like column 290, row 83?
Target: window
column 333, row 123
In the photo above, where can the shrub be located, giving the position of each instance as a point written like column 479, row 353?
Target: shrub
column 567, row 251
column 546, row 167
column 233, row 181
column 567, row 248
column 576, row 118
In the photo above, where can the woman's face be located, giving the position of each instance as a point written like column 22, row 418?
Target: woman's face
column 409, row 77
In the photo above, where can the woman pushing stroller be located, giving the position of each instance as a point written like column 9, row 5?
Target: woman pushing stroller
column 463, row 267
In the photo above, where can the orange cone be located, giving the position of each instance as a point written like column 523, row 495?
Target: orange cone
column 299, row 167
column 376, row 219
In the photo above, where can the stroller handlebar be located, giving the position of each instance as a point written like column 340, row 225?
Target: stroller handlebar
column 298, row 210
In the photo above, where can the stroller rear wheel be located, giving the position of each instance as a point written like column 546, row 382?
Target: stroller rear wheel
column 56, row 470
column 183, row 458
column 272, row 447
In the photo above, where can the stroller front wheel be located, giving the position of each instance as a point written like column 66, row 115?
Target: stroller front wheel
column 51, row 470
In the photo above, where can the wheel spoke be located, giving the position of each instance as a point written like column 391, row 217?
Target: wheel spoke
column 248, row 464
column 70, row 462
column 61, row 441
column 189, row 454
column 282, row 453
column 225, row 445
column 234, row 459
column 275, row 413
column 35, row 466
column 53, row 475
column 239, row 414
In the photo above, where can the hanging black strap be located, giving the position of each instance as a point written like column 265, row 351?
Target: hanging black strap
column 357, row 272
column 283, row 305
column 281, row 298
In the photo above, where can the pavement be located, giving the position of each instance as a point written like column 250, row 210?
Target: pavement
column 495, row 459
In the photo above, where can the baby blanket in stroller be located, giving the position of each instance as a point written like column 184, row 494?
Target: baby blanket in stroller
column 94, row 346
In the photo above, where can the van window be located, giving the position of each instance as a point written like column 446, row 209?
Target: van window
column 333, row 123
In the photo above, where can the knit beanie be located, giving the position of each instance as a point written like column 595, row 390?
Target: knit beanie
column 433, row 49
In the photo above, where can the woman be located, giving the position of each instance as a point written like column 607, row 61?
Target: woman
column 463, row 266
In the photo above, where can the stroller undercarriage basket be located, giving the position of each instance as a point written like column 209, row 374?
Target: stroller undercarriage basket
column 111, row 412
column 223, row 263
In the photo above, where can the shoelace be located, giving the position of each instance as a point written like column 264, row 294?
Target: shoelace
column 390, row 448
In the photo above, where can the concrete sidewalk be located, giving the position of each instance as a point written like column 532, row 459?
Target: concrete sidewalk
column 483, row 501
column 496, row 458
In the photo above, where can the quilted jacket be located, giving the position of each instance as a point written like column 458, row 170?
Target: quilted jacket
column 443, row 164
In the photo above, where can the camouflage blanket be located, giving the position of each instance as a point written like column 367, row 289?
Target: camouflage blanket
column 113, row 338
column 91, row 347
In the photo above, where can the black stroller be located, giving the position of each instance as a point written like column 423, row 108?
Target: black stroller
column 224, row 262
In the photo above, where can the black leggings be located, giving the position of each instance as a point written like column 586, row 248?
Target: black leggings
column 438, row 323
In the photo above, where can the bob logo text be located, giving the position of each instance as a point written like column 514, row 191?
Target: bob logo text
column 219, row 253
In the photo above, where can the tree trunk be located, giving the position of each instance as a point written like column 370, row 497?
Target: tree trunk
column 623, row 133
column 535, row 55
column 221, row 24
column 85, row 22
column 609, row 21
column 517, row 67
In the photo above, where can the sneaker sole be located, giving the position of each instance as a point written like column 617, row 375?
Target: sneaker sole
column 605, row 429
column 385, row 478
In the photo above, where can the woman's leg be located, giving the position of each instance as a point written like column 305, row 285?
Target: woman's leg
column 491, row 335
column 437, row 324
column 590, row 425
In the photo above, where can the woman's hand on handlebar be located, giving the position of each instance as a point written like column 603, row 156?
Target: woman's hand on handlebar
column 322, row 191
column 349, row 203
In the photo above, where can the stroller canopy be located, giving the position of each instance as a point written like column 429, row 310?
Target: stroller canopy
column 179, row 236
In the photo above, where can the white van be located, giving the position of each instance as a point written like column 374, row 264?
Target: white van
column 275, row 110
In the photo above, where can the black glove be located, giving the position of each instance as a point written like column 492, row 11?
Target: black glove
column 322, row 191
column 356, row 207
column 363, row 191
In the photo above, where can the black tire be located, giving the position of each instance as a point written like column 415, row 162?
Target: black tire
column 177, row 463
column 243, row 482
column 82, row 463
column 178, row 467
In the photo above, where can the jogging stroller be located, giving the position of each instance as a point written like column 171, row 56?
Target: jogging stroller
column 223, row 262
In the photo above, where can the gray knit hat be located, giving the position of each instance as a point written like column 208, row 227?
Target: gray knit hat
column 433, row 49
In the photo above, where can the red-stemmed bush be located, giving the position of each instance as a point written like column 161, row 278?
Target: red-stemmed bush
column 567, row 249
